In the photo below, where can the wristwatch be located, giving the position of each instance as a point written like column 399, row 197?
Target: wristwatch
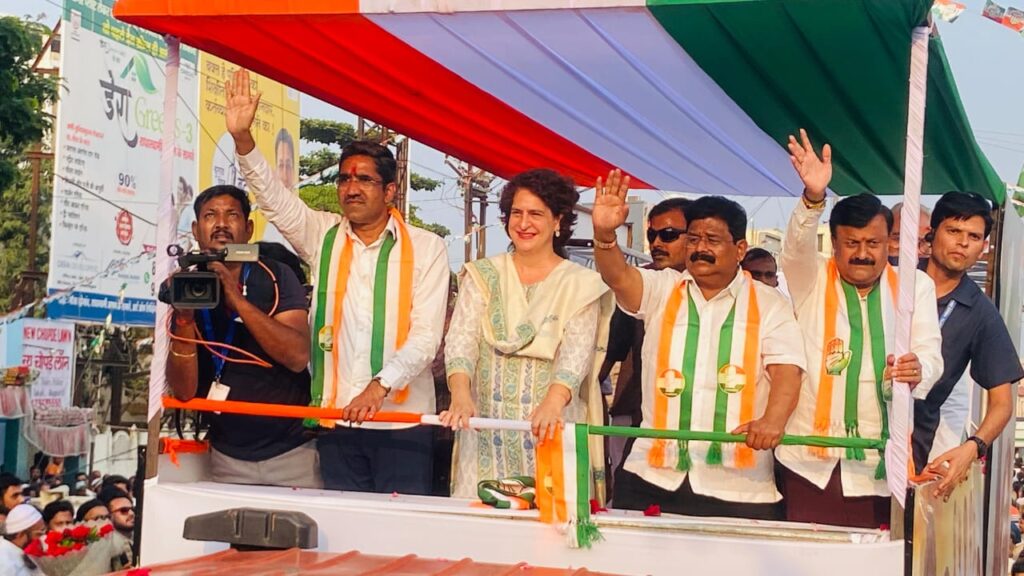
column 387, row 389
column 981, row 444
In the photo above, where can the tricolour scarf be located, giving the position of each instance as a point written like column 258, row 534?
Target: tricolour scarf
column 738, row 369
column 842, row 355
column 392, row 309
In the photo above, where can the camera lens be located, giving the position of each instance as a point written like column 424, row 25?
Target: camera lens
column 197, row 290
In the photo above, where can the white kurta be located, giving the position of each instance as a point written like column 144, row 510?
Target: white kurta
column 305, row 229
column 807, row 273
column 780, row 344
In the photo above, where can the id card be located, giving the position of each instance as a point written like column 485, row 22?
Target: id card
column 218, row 391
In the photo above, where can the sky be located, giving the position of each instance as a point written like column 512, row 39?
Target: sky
column 986, row 60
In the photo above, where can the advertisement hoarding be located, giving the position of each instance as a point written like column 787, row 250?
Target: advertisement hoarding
column 275, row 129
column 108, row 149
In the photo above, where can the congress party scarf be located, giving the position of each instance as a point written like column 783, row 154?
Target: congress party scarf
column 738, row 369
column 392, row 309
column 838, row 359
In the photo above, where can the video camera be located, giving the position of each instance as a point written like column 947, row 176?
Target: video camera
column 200, row 289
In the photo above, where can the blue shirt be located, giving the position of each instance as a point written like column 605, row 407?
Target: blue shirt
column 973, row 333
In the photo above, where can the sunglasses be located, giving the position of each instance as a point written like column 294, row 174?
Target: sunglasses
column 666, row 235
column 123, row 510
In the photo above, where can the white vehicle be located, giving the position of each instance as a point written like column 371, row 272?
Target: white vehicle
column 695, row 95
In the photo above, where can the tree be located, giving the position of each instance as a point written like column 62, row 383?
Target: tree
column 23, row 94
column 415, row 220
column 14, row 217
column 422, row 183
column 317, row 161
column 323, row 197
column 327, row 132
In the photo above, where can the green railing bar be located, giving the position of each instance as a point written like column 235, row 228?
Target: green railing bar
column 822, row 441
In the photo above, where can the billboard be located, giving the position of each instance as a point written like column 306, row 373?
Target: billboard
column 48, row 349
column 275, row 129
column 109, row 128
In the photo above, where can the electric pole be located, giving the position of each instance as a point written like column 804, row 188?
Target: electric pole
column 475, row 184
column 368, row 130
column 32, row 278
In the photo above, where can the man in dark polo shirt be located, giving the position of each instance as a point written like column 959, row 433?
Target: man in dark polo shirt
column 270, row 326
column 666, row 235
column 972, row 333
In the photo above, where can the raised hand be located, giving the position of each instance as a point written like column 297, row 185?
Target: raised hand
column 240, row 110
column 610, row 208
column 814, row 172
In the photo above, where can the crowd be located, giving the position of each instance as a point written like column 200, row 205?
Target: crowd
column 704, row 340
column 23, row 520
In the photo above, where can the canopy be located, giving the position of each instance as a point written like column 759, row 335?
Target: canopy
column 688, row 95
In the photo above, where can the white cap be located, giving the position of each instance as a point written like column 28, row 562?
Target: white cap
column 21, row 518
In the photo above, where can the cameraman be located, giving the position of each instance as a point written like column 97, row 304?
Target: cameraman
column 247, row 449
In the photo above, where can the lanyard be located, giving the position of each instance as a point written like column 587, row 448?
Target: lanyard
column 208, row 333
column 946, row 313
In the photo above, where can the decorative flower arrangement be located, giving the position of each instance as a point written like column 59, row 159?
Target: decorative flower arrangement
column 82, row 550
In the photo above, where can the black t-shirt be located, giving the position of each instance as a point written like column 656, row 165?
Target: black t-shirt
column 255, row 438
column 973, row 333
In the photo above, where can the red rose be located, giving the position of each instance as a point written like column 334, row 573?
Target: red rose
column 53, row 538
column 78, row 546
column 81, row 532
column 34, row 548
column 653, row 510
column 106, row 529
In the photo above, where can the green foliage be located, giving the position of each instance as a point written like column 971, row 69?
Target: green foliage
column 23, row 122
column 23, row 94
column 327, row 132
column 14, row 218
column 317, row 161
column 415, row 220
column 422, row 183
column 323, row 197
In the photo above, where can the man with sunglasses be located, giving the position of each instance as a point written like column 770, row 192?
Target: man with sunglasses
column 378, row 311
column 122, row 510
column 722, row 353
column 666, row 236
column 846, row 306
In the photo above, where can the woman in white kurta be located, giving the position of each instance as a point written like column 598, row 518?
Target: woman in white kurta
column 524, row 337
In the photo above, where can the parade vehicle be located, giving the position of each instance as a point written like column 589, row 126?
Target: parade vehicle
column 696, row 96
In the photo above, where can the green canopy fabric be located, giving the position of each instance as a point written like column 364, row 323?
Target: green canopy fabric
column 838, row 68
